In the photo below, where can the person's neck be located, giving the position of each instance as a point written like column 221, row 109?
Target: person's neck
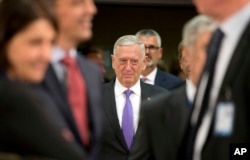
column 148, row 70
column 65, row 43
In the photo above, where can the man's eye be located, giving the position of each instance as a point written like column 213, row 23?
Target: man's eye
column 123, row 61
column 134, row 61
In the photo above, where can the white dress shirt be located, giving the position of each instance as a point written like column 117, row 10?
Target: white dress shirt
column 151, row 77
column 232, row 28
column 135, row 99
column 57, row 55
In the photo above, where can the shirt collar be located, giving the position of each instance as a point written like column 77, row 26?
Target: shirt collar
column 58, row 54
column 235, row 24
column 190, row 90
column 151, row 76
column 119, row 88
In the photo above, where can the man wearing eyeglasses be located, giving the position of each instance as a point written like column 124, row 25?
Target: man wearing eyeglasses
column 153, row 75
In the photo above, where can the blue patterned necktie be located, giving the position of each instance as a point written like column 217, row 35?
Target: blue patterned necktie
column 127, row 120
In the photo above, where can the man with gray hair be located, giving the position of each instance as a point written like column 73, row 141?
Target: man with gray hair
column 196, row 35
column 164, row 119
column 123, row 97
column 152, row 74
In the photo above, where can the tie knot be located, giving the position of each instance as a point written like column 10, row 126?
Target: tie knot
column 68, row 61
column 128, row 92
column 143, row 79
column 215, row 41
column 218, row 34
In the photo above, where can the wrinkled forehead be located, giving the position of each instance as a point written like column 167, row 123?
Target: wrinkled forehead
column 129, row 51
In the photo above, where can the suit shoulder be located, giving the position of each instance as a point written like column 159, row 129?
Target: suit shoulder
column 107, row 87
column 172, row 77
column 165, row 100
column 167, row 80
column 154, row 88
column 156, row 105
column 17, row 95
column 89, row 63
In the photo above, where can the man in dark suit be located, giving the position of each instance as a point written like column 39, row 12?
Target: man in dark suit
column 165, row 118
column 73, row 82
column 121, row 110
column 27, row 130
column 221, row 110
column 152, row 74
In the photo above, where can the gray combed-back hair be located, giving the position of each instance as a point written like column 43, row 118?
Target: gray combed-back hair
column 129, row 40
column 195, row 26
column 149, row 33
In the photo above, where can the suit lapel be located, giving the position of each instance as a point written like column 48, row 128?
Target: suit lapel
column 111, row 112
column 145, row 96
column 84, row 70
column 159, row 78
column 54, row 87
column 238, row 57
column 145, row 92
column 240, row 54
column 58, row 94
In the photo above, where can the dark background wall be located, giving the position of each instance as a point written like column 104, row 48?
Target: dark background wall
column 115, row 20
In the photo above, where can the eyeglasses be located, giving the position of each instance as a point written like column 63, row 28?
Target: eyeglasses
column 152, row 48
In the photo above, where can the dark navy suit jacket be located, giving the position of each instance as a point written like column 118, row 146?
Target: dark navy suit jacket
column 58, row 104
column 114, row 145
column 167, row 80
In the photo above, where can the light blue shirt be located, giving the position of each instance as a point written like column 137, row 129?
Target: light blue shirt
column 57, row 55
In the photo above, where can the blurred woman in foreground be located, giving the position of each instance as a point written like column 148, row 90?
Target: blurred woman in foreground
column 27, row 31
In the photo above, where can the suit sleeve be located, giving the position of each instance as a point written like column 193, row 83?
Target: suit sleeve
column 27, row 128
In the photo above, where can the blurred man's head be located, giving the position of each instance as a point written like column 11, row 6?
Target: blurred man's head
column 128, row 60
column 219, row 10
column 183, row 61
column 75, row 21
column 152, row 42
column 196, row 36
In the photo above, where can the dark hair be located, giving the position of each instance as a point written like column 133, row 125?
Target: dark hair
column 16, row 15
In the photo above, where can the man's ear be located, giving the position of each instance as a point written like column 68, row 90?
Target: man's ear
column 185, row 52
column 160, row 52
column 113, row 61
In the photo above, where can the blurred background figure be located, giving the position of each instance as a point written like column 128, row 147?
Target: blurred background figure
column 196, row 36
column 183, row 63
column 97, row 55
column 165, row 118
column 221, row 110
column 123, row 97
column 154, row 51
column 26, row 41
column 72, row 82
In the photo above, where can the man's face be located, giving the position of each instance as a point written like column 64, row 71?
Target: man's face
column 75, row 19
column 198, row 56
column 153, row 50
column 128, row 63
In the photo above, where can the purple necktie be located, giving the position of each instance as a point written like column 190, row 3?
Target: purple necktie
column 127, row 120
